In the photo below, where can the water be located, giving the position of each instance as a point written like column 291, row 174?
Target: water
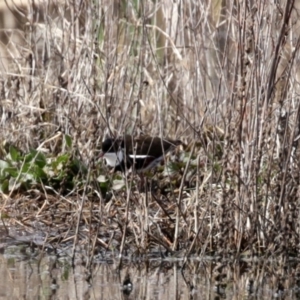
column 27, row 274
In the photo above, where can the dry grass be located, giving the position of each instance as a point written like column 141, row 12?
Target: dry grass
column 218, row 74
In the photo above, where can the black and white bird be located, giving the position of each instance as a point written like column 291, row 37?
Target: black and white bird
column 138, row 154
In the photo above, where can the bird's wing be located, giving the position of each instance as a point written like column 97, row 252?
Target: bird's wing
column 142, row 146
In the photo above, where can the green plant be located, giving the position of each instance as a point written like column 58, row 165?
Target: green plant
column 21, row 171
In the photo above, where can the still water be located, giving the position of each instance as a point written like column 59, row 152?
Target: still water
column 32, row 275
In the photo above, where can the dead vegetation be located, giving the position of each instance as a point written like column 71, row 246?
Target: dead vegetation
column 221, row 76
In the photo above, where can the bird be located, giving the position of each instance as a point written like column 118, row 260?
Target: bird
column 137, row 154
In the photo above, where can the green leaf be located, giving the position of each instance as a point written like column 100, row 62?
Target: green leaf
column 3, row 165
column 29, row 157
column 60, row 161
column 40, row 160
column 12, row 171
column 68, row 140
column 4, row 186
column 30, row 170
column 36, row 157
column 14, row 154
column 26, row 167
column 39, row 173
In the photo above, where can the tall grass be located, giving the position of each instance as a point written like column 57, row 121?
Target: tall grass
column 220, row 74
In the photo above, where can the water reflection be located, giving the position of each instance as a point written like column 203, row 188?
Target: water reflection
column 27, row 275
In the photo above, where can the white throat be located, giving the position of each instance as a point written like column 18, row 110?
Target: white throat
column 113, row 158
